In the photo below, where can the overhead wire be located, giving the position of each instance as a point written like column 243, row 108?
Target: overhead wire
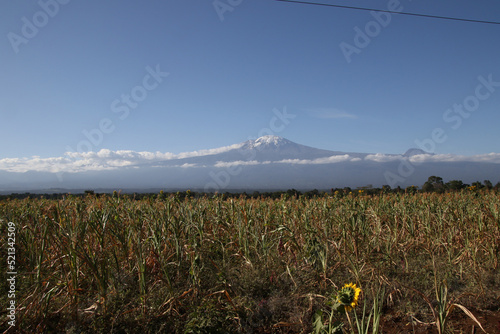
column 389, row 11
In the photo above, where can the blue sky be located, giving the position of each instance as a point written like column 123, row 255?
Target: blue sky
column 228, row 78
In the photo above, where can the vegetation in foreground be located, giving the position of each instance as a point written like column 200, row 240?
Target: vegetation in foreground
column 397, row 262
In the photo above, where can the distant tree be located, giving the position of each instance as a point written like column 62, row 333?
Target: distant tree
column 488, row 184
column 311, row 193
column 434, row 183
column 427, row 187
column 455, row 185
column 477, row 184
column 293, row 193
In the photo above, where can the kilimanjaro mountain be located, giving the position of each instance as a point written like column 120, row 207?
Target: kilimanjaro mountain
column 263, row 149
column 265, row 163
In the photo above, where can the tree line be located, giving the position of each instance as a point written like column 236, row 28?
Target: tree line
column 433, row 184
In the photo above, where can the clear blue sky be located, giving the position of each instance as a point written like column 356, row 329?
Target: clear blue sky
column 227, row 76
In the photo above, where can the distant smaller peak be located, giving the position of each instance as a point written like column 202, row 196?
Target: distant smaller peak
column 415, row 151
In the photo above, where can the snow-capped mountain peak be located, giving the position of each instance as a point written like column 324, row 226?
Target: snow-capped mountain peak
column 270, row 140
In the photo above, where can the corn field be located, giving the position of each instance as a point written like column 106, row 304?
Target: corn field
column 216, row 265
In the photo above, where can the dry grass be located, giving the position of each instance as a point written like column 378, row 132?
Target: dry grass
column 211, row 265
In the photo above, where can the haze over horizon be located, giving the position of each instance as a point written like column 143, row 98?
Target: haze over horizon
column 84, row 83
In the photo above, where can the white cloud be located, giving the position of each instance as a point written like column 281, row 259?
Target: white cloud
column 74, row 162
column 105, row 159
column 327, row 160
column 490, row 158
column 35, row 163
column 379, row 157
column 186, row 165
column 422, row 158
column 226, row 164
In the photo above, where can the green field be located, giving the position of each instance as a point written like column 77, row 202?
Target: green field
column 114, row 264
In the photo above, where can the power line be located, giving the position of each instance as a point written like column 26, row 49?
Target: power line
column 389, row 11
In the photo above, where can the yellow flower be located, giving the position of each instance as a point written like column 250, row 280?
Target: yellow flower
column 348, row 296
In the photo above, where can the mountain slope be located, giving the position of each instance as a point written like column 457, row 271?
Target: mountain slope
column 263, row 149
